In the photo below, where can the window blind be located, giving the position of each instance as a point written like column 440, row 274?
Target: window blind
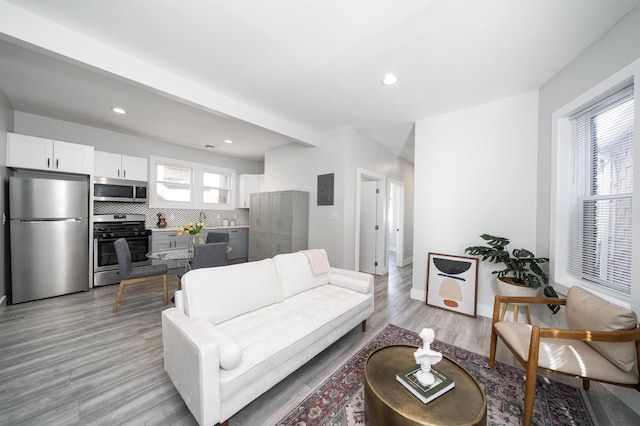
column 601, row 192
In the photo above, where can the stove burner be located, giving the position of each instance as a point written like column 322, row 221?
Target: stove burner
column 119, row 226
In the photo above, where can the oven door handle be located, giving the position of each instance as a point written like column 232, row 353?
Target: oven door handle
column 137, row 237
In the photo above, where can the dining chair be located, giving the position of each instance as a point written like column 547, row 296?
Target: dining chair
column 132, row 275
column 217, row 237
column 208, row 256
column 601, row 343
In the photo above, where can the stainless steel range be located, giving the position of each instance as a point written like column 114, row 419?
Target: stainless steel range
column 106, row 229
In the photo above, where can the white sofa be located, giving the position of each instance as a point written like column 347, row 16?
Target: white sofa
column 237, row 330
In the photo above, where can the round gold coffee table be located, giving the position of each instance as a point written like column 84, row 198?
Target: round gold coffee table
column 387, row 402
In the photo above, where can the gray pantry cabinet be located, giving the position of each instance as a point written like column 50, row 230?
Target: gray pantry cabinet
column 279, row 223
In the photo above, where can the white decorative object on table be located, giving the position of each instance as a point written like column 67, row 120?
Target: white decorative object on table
column 426, row 357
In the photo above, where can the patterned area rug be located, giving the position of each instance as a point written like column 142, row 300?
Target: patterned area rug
column 340, row 399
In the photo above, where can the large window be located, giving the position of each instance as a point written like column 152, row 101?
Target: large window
column 173, row 183
column 182, row 184
column 216, row 187
column 601, row 193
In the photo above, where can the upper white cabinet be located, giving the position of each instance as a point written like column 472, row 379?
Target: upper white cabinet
column 248, row 184
column 118, row 166
column 30, row 152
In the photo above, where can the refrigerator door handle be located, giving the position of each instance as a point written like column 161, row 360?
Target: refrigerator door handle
column 69, row 219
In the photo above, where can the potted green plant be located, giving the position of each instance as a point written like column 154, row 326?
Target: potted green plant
column 521, row 268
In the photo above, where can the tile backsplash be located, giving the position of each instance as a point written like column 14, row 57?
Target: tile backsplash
column 175, row 217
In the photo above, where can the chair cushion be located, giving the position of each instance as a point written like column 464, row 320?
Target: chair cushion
column 565, row 355
column 147, row 271
column 586, row 311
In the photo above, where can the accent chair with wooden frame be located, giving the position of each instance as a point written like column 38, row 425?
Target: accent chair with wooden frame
column 601, row 344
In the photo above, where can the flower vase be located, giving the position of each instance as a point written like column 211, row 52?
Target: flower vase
column 192, row 242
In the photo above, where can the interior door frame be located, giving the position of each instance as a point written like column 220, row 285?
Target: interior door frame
column 381, row 243
column 400, row 220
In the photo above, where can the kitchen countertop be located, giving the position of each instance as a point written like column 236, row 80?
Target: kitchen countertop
column 207, row 228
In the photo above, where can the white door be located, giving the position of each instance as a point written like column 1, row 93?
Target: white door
column 395, row 220
column 368, row 226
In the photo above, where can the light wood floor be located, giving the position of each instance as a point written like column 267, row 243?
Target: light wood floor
column 69, row 361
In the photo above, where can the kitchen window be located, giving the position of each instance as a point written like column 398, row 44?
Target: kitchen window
column 187, row 185
column 216, row 187
column 601, row 193
column 173, row 183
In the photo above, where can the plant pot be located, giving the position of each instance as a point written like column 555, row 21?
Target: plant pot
column 508, row 289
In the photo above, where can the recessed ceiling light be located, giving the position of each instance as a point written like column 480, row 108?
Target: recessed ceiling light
column 228, row 141
column 118, row 110
column 389, row 80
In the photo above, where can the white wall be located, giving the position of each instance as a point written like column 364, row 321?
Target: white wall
column 110, row 141
column 340, row 151
column 614, row 51
column 365, row 154
column 297, row 167
column 6, row 125
column 475, row 174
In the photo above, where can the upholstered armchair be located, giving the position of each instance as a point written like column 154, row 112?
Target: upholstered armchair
column 602, row 343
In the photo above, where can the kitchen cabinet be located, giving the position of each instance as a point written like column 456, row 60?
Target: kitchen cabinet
column 257, row 246
column 110, row 165
column 167, row 240
column 259, row 217
column 279, row 223
column 238, row 241
column 247, row 185
column 31, row 152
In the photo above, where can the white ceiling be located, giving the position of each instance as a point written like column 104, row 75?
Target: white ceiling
column 196, row 72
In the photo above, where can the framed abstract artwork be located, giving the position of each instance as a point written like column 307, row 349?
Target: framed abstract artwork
column 452, row 283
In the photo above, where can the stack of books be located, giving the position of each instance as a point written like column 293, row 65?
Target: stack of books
column 442, row 385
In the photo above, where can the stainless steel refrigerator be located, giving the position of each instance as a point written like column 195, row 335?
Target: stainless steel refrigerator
column 49, row 231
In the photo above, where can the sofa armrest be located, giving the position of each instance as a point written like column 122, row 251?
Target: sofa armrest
column 356, row 281
column 191, row 358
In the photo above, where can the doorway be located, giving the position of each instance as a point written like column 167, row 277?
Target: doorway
column 371, row 248
column 395, row 223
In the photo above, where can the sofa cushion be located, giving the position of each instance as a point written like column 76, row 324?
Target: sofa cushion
column 295, row 275
column 276, row 333
column 218, row 294
column 230, row 352
column 586, row 311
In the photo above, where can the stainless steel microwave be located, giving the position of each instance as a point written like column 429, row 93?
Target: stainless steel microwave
column 108, row 189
